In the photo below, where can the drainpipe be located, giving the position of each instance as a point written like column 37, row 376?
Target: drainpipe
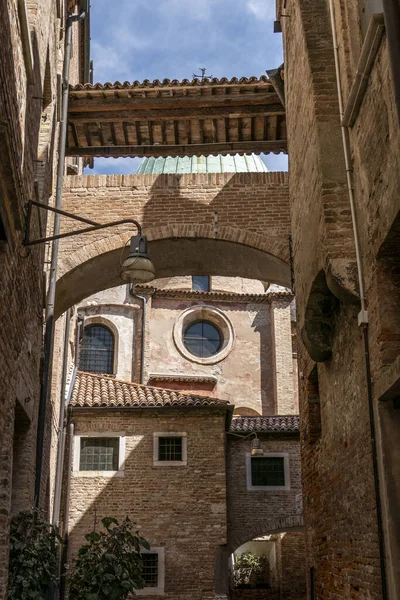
column 391, row 12
column 363, row 315
column 50, row 322
column 144, row 302
column 63, row 405
column 61, row 432
column 67, row 505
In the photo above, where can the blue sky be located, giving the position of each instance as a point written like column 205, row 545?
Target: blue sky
column 157, row 39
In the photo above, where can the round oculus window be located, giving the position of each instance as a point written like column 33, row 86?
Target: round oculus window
column 202, row 339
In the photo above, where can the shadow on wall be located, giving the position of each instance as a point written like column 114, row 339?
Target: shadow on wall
column 166, row 501
column 191, row 230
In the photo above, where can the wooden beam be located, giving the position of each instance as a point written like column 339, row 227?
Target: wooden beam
column 113, row 104
column 176, row 113
column 265, row 146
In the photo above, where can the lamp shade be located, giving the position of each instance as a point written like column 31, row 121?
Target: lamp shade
column 138, row 268
column 256, row 449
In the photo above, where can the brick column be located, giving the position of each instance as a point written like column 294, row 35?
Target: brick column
column 283, row 360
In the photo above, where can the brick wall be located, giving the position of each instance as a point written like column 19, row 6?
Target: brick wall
column 339, row 503
column 220, row 211
column 257, row 512
column 182, row 509
column 21, row 289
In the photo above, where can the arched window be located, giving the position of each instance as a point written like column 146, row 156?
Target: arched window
column 97, row 350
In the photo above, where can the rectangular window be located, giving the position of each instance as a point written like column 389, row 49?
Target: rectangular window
column 152, row 572
column 269, row 472
column 99, row 454
column 201, row 283
column 169, row 448
column 150, row 569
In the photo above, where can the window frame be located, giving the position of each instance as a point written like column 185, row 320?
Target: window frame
column 208, row 283
column 169, row 463
column 268, row 488
column 88, row 324
column 121, row 455
column 202, row 339
column 150, row 591
column 217, row 317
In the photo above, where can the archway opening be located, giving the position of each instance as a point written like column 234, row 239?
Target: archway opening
column 172, row 257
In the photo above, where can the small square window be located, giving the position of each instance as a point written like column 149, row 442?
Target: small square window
column 99, row 454
column 170, row 448
column 201, row 283
column 268, row 472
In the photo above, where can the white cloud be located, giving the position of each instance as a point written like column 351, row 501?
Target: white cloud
column 262, row 9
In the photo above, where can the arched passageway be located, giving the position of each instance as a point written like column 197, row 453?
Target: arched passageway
column 96, row 267
column 208, row 223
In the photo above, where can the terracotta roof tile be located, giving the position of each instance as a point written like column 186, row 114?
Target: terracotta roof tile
column 223, row 296
column 273, row 424
column 92, row 390
column 166, row 83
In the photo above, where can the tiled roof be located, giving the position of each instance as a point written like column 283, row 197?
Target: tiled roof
column 92, row 390
column 223, row 296
column 275, row 424
column 172, row 118
column 166, row 83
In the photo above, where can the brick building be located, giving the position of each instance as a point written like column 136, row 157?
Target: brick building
column 31, row 54
column 341, row 208
column 349, row 351
column 203, row 508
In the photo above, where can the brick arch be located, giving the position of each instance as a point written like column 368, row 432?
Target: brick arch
column 176, row 249
column 266, row 527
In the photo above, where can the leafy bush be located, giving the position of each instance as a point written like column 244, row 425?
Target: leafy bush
column 33, row 558
column 109, row 566
column 249, row 569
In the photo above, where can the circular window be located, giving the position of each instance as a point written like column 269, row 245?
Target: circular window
column 202, row 339
column 203, row 334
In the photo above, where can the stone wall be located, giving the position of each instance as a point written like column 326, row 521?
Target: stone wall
column 179, row 508
column 340, row 507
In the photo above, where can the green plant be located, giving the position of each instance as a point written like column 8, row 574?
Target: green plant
column 33, row 558
column 248, row 569
column 109, row 566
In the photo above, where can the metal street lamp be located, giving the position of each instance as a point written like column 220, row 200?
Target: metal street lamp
column 137, row 268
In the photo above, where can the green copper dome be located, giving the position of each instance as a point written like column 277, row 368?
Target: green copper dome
column 248, row 163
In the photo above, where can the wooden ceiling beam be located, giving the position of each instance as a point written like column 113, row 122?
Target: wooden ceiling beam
column 265, row 146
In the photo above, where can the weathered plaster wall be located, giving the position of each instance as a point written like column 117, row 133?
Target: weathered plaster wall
column 262, row 345
column 256, row 348
column 238, row 285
